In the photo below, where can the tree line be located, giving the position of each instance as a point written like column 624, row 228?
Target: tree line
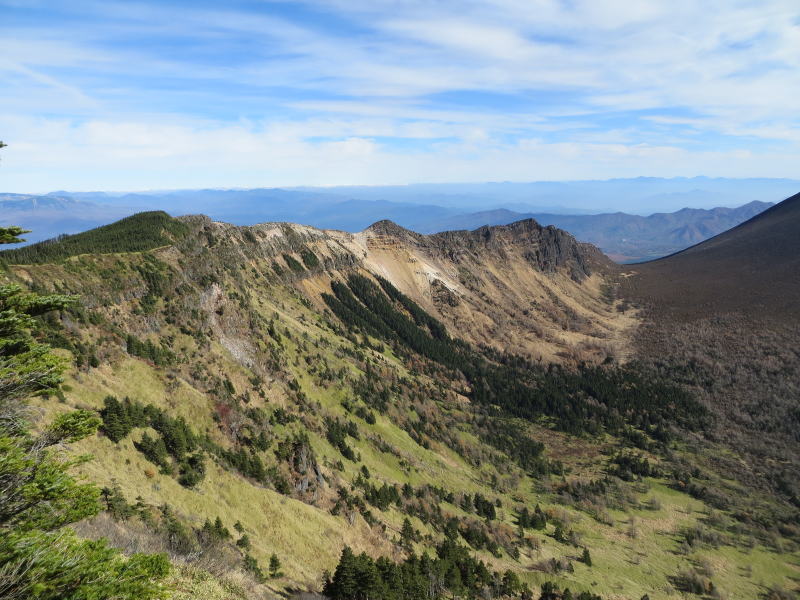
column 586, row 400
column 137, row 233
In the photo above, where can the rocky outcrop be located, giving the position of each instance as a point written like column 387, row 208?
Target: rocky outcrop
column 496, row 285
column 547, row 248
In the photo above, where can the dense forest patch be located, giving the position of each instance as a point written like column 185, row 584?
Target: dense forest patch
column 137, row 233
column 587, row 400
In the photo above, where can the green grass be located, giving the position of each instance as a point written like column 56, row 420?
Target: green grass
column 306, row 536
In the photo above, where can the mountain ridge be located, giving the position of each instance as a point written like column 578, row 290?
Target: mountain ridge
column 627, row 237
column 553, row 308
column 706, row 274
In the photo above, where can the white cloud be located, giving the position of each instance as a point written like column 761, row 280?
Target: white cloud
column 556, row 92
column 58, row 154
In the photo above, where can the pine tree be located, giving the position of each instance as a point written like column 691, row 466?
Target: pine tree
column 524, row 518
column 40, row 557
column 10, row 235
column 539, row 519
column 586, row 558
column 274, row 566
column 251, row 565
column 215, row 533
column 116, row 421
column 558, row 534
column 511, row 585
column 343, row 585
column 549, row 591
column 407, row 533
column 220, row 530
column 115, row 502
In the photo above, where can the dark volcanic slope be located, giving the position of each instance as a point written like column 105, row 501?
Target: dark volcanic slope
column 723, row 318
column 753, row 269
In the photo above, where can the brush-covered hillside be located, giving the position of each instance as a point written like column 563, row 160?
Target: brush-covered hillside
column 725, row 316
column 285, row 410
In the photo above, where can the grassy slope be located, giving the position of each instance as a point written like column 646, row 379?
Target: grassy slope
column 308, row 538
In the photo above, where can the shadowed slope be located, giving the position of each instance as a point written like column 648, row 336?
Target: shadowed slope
column 753, row 269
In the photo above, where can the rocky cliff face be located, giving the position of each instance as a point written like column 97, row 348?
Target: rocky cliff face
column 521, row 287
column 547, row 248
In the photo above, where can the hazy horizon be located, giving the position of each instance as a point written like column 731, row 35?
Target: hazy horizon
column 134, row 190
column 425, row 208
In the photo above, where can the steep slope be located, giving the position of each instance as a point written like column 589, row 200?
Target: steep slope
column 278, row 383
column 752, row 269
column 726, row 315
column 521, row 287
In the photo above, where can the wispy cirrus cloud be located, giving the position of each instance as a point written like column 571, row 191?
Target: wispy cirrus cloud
column 158, row 94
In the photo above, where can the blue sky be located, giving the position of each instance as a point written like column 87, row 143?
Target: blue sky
column 155, row 95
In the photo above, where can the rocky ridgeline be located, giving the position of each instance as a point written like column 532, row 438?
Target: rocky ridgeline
column 547, row 248
column 297, row 251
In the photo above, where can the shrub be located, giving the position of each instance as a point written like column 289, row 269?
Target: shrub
column 292, row 263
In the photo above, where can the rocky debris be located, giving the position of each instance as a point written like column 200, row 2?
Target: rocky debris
column 443, row 295
column 307, row 474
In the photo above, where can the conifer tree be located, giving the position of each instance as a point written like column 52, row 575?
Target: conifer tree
column 343, row 585
column 407, row 533
column 115, row 502
column 251, row 565
column 40, row 557
column 586, row 558
column 558, row 534
column 274, row 566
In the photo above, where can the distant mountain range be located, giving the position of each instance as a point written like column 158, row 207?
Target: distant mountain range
column 625, row 236
column 637, row 195
column 52, row 215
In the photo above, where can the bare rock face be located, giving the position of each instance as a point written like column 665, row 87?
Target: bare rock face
column 548, row 249
column 306, row 473
column 520, row 287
